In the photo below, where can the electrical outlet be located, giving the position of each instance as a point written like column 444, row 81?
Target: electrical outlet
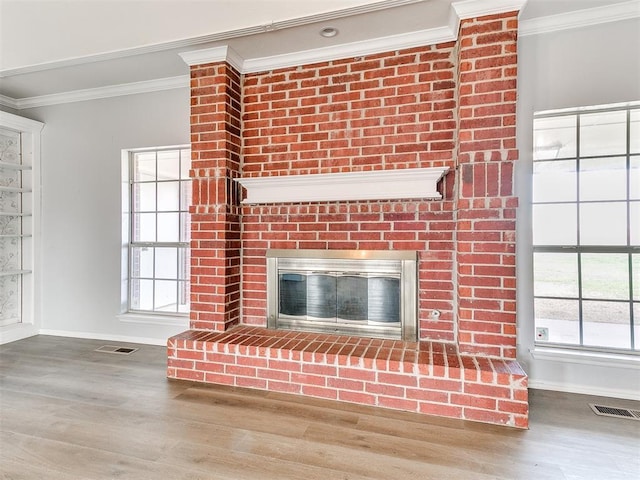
column 542, row 334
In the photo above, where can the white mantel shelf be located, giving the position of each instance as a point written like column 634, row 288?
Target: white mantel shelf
column 332, row 187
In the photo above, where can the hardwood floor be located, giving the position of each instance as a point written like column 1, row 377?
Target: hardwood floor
column 69, row 412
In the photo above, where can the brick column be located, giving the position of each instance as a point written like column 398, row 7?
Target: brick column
column 486, row 206
column 215, row 219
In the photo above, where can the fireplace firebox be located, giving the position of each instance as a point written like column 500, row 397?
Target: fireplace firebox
column 353, row 292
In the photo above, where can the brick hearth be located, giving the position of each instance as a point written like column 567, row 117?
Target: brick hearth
column 447, row 105
column 425, row 377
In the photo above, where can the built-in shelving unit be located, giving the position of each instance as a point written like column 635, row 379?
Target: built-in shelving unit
column 19, row 235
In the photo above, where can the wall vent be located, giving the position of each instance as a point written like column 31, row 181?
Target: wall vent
column 116, row 349
column 617, row 412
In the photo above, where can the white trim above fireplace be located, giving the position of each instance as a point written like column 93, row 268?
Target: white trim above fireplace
column 329, row 187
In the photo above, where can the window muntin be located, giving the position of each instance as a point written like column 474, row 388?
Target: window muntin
column 586, row 227
column 160, row 195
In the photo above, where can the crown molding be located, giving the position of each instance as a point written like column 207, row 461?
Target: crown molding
column 22, row 124
column 223, row 53
column 458, row 11
column 204, row 39
column 432, row 36
column 148, row 86
column 580, row 18
column 479, row 8
column 305, row 57
column 9, row 102
column 347, row 50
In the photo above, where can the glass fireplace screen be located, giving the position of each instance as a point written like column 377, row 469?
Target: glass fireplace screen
column 365, row 293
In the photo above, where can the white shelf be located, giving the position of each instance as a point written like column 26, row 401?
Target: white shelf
column 9, row 273
column 14, row 190
column 15, row 214
column 14, row 166
column 328, row 187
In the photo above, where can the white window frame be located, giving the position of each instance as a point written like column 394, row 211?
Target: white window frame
column 127, row 314
column 576, row 352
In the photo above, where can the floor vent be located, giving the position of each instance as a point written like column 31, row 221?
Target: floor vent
column 116, row 349
column 608, row 411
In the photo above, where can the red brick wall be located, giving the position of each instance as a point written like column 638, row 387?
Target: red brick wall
column 451, row 104
column 216, row 103
column 445, row 105
column 388, row 111
column 486, row 207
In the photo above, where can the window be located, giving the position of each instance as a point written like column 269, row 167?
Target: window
column 158, row 224
column 586, row 227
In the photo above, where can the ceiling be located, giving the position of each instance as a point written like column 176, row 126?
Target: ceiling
column 53, row 46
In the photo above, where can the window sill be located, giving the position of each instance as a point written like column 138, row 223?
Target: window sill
column 586, row 358
column 150, row 319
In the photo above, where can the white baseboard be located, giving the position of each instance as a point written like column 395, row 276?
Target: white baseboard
column 105, row 337
column 15, row 332
column 586, row 390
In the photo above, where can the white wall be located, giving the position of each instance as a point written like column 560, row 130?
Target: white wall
column 578, row 67
column 81, row 207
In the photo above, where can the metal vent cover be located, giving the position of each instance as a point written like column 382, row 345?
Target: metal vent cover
column 617, row 412
column 116, row 349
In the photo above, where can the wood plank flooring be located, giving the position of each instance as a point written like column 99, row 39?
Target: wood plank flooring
column 68, row 412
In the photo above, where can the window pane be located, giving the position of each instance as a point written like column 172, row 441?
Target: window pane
column 161, row 196
column 635, row 131
column 636, row 325
column 166, row 262
column 141, row 294
column 185, row 163
column 166, row 299
column 635, row 267
column 634, row 178
column 185, row 231
column 144, row 227
column 144, row 167
column 603, row 133
column 560, row 317
column 144, row 197
column 169, row 165
column 603, row 179
column 606, row 324
column 554, row 181
column 554, row 137
column 168, row 196
column 185, row 195
column 184, row 267
column 142, row 262
column 554, row 225
column 634, row 225
column 168, row 224
column 605, row 275
column 555, row 274
column 183, row 297
column 603, row 224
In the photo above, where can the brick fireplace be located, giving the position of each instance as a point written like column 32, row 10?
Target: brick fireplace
column 449, row 105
